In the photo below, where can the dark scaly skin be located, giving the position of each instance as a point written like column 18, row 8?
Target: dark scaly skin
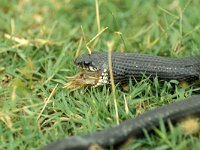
column 128, row 65
column 124, row 67
column 116, row 136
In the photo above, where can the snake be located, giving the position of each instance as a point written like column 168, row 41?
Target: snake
column 125, row 67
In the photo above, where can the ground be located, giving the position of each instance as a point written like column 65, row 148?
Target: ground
column 38, row 44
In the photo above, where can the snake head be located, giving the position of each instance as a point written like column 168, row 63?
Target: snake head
column 92, row 62
column 94, row 71
column 86, row 62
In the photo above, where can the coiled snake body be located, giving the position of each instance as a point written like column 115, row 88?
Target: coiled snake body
column 126, row 66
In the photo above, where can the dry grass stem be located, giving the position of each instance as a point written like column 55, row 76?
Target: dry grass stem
column 96, row 36
column 110, row 45
column 46, row 102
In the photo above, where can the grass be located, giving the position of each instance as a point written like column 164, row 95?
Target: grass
column 38, row 43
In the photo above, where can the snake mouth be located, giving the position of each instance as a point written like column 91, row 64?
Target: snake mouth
column 87, row 77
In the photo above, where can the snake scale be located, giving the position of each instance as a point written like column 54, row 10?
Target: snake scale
column 126, row 66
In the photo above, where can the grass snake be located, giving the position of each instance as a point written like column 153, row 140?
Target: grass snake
column 126, row 66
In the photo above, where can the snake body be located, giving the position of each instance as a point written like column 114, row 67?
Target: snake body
column 126, row 66
column 134, row 66
column 132, row 128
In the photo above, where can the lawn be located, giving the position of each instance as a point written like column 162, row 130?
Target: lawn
column 39, row 40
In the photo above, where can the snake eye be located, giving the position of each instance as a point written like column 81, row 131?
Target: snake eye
column 86, row 63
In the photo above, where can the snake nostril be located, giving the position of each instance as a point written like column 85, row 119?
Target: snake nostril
column 77, row 61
